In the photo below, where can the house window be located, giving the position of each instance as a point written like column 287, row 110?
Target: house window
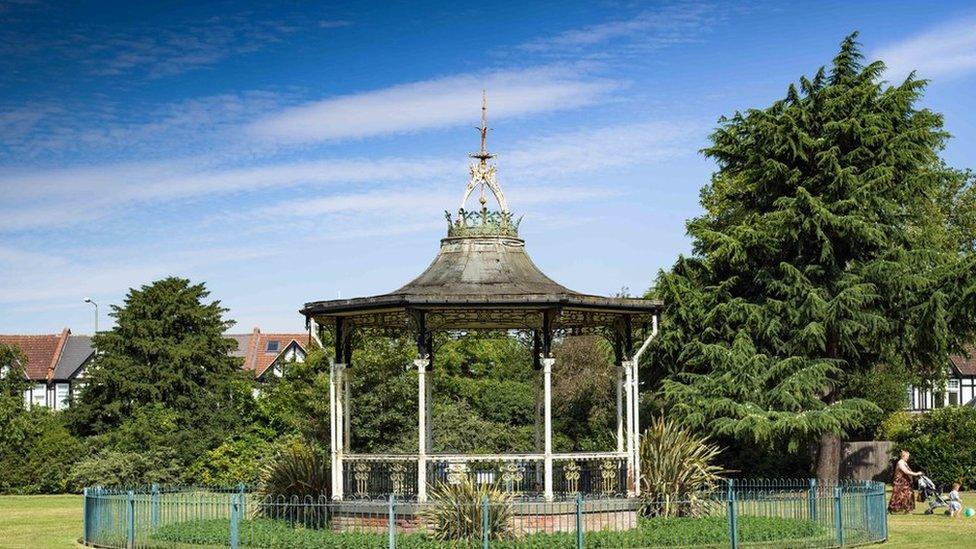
column 39, row 397
column 61, row 396
column 952, row 392
column 273, row 346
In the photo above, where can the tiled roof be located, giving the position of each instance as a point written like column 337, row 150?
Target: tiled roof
column 77, row 350
column 41, row 351
column 255, row 350
column 966, row 364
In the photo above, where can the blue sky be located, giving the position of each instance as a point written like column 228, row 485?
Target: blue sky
column 297, row 152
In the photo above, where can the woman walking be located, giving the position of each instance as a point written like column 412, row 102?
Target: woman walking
column 902, row 497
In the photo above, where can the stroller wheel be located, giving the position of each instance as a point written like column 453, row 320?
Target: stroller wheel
column 928, row 511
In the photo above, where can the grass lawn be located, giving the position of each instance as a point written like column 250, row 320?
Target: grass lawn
column 55, row 522
column 40, row 521
column 919, row 530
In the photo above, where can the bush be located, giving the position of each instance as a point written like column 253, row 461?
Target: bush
column 40, row 463
column 655, row 532
column 895, row 427
column 456, row 513
column 118, row 469
column 943, row 444
column 236, row 461
column 676, row 465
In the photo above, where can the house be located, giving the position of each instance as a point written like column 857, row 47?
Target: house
column 56, row 363
column 959, row 389
column 55, row 366
column 267, row 354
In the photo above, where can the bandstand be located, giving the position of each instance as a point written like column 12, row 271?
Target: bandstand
column 483, row 279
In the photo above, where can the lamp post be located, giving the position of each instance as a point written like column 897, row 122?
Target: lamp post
column 89, row 300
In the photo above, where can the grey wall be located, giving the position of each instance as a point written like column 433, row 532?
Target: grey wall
column 870, row 460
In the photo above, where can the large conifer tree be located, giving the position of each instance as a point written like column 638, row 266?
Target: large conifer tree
column 167, row 349
column 823, row 252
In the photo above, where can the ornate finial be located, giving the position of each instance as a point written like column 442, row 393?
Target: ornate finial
column 482, row 174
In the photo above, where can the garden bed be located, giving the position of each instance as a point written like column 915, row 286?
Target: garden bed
column 654, row 532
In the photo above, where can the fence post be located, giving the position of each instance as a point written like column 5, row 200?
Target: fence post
column 235, row 514
column 838, row 516
column 733, row 527
column 813, row 499
column 579, row 520
column 154, row 507
column 882, row 510
column 85, row 532
column 485, row 534
column 130, row 538
column 242, row 501
column 392, row 522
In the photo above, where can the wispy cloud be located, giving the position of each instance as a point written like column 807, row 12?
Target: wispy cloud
column 944, row 51
column 432, row 104
column 51, row 198
column 644, row 32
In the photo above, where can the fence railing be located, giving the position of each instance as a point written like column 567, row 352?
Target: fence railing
column 736, row 513
column 596, row 474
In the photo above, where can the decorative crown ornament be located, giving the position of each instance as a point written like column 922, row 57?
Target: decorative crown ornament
column 485, row 222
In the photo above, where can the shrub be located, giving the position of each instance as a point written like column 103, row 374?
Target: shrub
column 236, row 461
column 41, row 461
column 895, row 427
column 115, row 468
column 676, row 465
column 943, row 444
column 655, row 532
column 456, row 512
column 298, row 474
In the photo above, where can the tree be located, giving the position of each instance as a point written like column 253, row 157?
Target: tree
column 825, row 250
column 167, row 351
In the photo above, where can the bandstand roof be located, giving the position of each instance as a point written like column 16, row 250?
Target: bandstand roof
column 482, row 278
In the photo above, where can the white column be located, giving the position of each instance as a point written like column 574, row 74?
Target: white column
column 429, row 410
column 637, row 466
column 421, row 364
column 347, row 407
column 339, row 422
column 333, row 463
column 628, row 390
column 620, row 408
column 547, row 390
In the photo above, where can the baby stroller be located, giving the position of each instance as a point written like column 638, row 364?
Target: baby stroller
column 927, row 491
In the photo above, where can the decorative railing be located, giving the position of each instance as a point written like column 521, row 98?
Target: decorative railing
column 519, row 475
column 597, row 474
column 372, row 477
column 593, row 475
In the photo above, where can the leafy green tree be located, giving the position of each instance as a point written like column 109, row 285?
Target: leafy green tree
column 583, row 392
column 824, row 252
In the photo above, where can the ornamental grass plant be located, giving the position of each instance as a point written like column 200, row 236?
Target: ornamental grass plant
column 294, row 486
column 677, row 470
column 455, row 512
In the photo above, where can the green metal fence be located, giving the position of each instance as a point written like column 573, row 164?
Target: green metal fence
column 739, row 513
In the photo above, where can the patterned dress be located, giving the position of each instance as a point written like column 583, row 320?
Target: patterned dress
column 902, row 497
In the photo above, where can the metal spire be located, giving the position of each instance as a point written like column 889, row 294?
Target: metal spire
column 483, row 154
column 482, row 174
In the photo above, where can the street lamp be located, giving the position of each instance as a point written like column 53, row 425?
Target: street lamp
column 89, row 300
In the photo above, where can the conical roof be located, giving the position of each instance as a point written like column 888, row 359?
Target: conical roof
column 477, row 267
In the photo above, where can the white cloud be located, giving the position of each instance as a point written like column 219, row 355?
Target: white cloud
column 645, row 32
column 943, row 51
column 432, row 104
column 55, row 198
